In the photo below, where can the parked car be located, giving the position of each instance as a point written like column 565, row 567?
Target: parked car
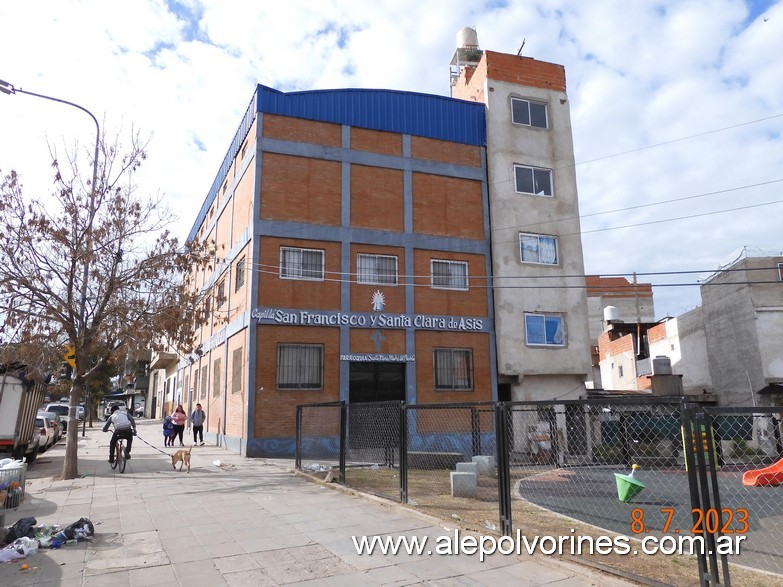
column 45, row 434
column 62, row 410
column 109, row 405
column 55, row 422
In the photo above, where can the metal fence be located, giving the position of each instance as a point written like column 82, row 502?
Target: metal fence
column 632, row 466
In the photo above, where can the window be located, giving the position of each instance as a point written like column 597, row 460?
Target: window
column 300, row 366
column 533, row 180
column 221, row 293
column 528, row 113
column 544, row 329
column 378, row 269
column 216, row 377
column 449, row 274
column 187, row 390
column 620, row 371
column 204, row 381
column 236, row 370
column 239, row 280
column 780, row 271
column 537, row 248
column 301, row 264
column 453, row 369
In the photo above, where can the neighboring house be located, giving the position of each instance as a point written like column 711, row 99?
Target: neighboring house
column 163, row 384
column 633, row 300
column 730, row 346
column 356, row 230
column 541, row 326
column 742, row 305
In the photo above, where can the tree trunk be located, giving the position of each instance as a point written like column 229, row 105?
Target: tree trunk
column 70, row 464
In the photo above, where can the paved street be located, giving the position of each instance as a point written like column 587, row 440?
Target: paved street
column 244, row 522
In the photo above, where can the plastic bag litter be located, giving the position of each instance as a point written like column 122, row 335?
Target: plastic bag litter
column 8, row 555
column 216, row 463
column 82, row 529
column 24, row 546
column 22, row 528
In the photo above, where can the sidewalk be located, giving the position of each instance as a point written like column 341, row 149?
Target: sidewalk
column 245, row 522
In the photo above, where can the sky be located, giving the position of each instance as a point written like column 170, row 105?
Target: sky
column 676, row 105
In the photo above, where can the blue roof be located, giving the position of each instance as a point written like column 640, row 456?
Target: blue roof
column 424, row 115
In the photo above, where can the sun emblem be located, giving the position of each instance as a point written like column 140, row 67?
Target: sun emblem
column 378, row 301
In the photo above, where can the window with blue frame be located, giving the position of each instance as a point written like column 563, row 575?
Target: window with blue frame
column 544, row 329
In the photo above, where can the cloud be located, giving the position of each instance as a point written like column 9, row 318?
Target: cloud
column 639, row 74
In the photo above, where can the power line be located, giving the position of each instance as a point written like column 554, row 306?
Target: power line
column 686, row 138
column 639, row 206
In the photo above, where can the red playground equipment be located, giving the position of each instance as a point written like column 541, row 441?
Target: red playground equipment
column 772, row 475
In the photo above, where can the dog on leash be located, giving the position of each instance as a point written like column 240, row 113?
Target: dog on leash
column 182, row 457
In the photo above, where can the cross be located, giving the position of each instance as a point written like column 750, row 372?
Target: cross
column 378, row 338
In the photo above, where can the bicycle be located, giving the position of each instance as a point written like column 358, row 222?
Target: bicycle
column 119, row 457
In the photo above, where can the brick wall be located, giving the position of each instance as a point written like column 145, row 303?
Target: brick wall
column 361, row 294
column 374, row 141
column 445, row 151
column 393, row 342
column 447, row 206
column 300, row 189
column 524, row 71
column 275, row 414
column 236, row 400
column 376, row 198
column 302, row 131
column 296, row 293
column 242, row 209
column 426, row 341
column 451, row 302
column 656, row 333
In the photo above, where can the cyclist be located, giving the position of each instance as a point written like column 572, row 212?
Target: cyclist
column 124, row 427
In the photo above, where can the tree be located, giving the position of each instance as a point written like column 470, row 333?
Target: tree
column 94, row 267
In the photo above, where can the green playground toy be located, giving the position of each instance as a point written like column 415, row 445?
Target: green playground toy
column 628, row 486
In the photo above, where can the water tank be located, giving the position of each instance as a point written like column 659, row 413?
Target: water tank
column 662, row 365
column 611, row 314
column 467, row 37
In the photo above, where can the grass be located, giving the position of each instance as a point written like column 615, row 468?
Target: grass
column 429, row 491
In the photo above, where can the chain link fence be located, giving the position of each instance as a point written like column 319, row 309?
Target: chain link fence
column 749, row 455
column 318, row 434
column 451, row 461
column 373, row 448
column 617, row 465
column 577, row 459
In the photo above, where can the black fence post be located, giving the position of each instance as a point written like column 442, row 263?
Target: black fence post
column 475, row 430
column 298, row 454
column 343, row 444
column 504, row 473
column 776, row 434
column 403, row 447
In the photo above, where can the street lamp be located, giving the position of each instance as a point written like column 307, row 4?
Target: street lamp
column 10, row 89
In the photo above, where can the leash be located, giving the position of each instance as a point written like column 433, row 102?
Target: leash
column 152, row 446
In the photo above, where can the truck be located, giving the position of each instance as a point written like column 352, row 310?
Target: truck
column 20, row 397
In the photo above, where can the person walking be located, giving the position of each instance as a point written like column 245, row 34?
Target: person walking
column 179, row 417
column 197, row 419
column 168, row 431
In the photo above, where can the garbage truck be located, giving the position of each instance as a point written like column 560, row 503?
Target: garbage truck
column 20, row 397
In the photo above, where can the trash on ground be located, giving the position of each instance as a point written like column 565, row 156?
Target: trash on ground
column 25, row 538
